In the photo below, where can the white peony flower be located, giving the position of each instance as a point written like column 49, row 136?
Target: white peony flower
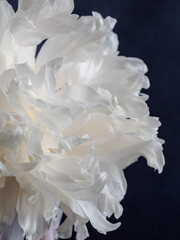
column 71, row 119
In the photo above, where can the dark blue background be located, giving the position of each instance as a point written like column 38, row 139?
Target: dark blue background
column 150, row 30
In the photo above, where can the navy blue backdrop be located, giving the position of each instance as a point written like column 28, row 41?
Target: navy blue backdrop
column 150, row 30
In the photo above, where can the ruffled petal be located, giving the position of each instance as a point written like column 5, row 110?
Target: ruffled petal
column 72, row 118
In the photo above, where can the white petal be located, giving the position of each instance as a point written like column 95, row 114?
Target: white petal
column 25, row 32
column 2, row 62
column 83, row 94
column 6, row 13
column 116, row 181
column 97, row 220
column 5, row 106
column 153, row 153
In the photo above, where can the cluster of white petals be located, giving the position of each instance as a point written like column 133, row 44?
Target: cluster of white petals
column 71, row 119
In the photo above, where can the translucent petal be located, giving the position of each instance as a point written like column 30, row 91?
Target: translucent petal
column 8, row 198
column 13, row 231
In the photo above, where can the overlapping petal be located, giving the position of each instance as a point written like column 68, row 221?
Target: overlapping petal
column 71, row 119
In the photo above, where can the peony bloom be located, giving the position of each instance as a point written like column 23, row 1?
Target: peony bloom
column 71, row 119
